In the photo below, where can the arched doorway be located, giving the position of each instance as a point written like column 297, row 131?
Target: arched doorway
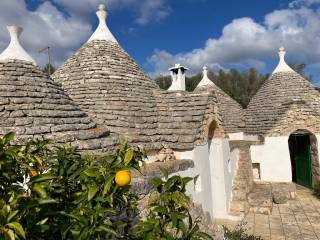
column 304, row 158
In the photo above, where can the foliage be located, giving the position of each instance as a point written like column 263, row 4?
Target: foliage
column 53, row 192
column 239, row 233
column 316, row 190
column 239, row 85
column 300, row 68
column 169, row 217
column 72, row 196
column 49, row 69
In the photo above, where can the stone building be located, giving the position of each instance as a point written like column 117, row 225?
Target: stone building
column 106, row 83
column 100, row 95
column 285, row 115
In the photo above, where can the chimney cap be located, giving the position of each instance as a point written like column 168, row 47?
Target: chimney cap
column 178, row 66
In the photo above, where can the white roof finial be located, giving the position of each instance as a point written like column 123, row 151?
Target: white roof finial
column 282, row 66
column 205, row 79
column 102, row 32
column 15, row 51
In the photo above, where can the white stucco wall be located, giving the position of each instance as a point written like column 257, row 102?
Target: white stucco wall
column 274, row 159
column 215, row 171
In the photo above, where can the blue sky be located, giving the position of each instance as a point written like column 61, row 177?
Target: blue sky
column 158, row 33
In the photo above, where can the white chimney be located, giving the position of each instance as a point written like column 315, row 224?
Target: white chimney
column 178, row 78
column 15, row 51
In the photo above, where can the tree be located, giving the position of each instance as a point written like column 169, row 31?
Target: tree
column 164, row 82
column 239, row 85
column 300, row 68
column 49, row 69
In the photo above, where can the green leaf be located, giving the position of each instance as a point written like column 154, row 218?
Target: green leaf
column 12, row 215
column 108, row 184
column 160, row 209
column 42, row 221
column 46, row 201
column 79, row 218
column 17, row 228
column 156, row 182
column 9, row 137
column 42, row 178
column 92, row 172
column 128, row 157
column 92, row 191
column 39, row 189
column 106, row 229
column 9, row 234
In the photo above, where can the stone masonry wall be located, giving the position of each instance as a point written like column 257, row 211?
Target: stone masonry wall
column 315, row 160
column 243, row 181
column 297, row 117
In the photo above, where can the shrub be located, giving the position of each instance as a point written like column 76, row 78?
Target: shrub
column 53, row 192
column 239, row 233
column 57, row 193
column 169, row 216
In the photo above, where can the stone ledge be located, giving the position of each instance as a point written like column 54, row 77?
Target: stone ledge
column 141, row 181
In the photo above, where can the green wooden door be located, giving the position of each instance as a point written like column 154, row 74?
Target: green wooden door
column 303, row 160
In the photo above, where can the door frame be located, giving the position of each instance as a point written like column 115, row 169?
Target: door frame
column 293, row 156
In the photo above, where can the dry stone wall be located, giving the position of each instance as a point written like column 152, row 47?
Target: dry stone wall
column 297, row 117
column 243, row 180
column 283, row 93
column 110, row 87
column 32, row 105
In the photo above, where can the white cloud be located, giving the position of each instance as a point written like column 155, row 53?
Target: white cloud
column 46, row 26
column 298, row 3
column 145, row 11
column 65, row 31
column 246, row 42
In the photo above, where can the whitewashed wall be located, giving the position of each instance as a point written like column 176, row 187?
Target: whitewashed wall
column 274, row 159
column 215, row 167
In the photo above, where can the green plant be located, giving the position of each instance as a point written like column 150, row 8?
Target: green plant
column 72, row 196
column 239, row 233
column 54, row 192
column 169, row 216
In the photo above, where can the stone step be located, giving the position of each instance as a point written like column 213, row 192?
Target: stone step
column 261, row 201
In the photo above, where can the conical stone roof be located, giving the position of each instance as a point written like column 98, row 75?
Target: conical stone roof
column 107, row 84
column 33, row 105
column 286, row 102
column 232, row 113
column 282, row 92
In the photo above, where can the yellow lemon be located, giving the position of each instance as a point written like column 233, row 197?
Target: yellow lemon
column 123, row 178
